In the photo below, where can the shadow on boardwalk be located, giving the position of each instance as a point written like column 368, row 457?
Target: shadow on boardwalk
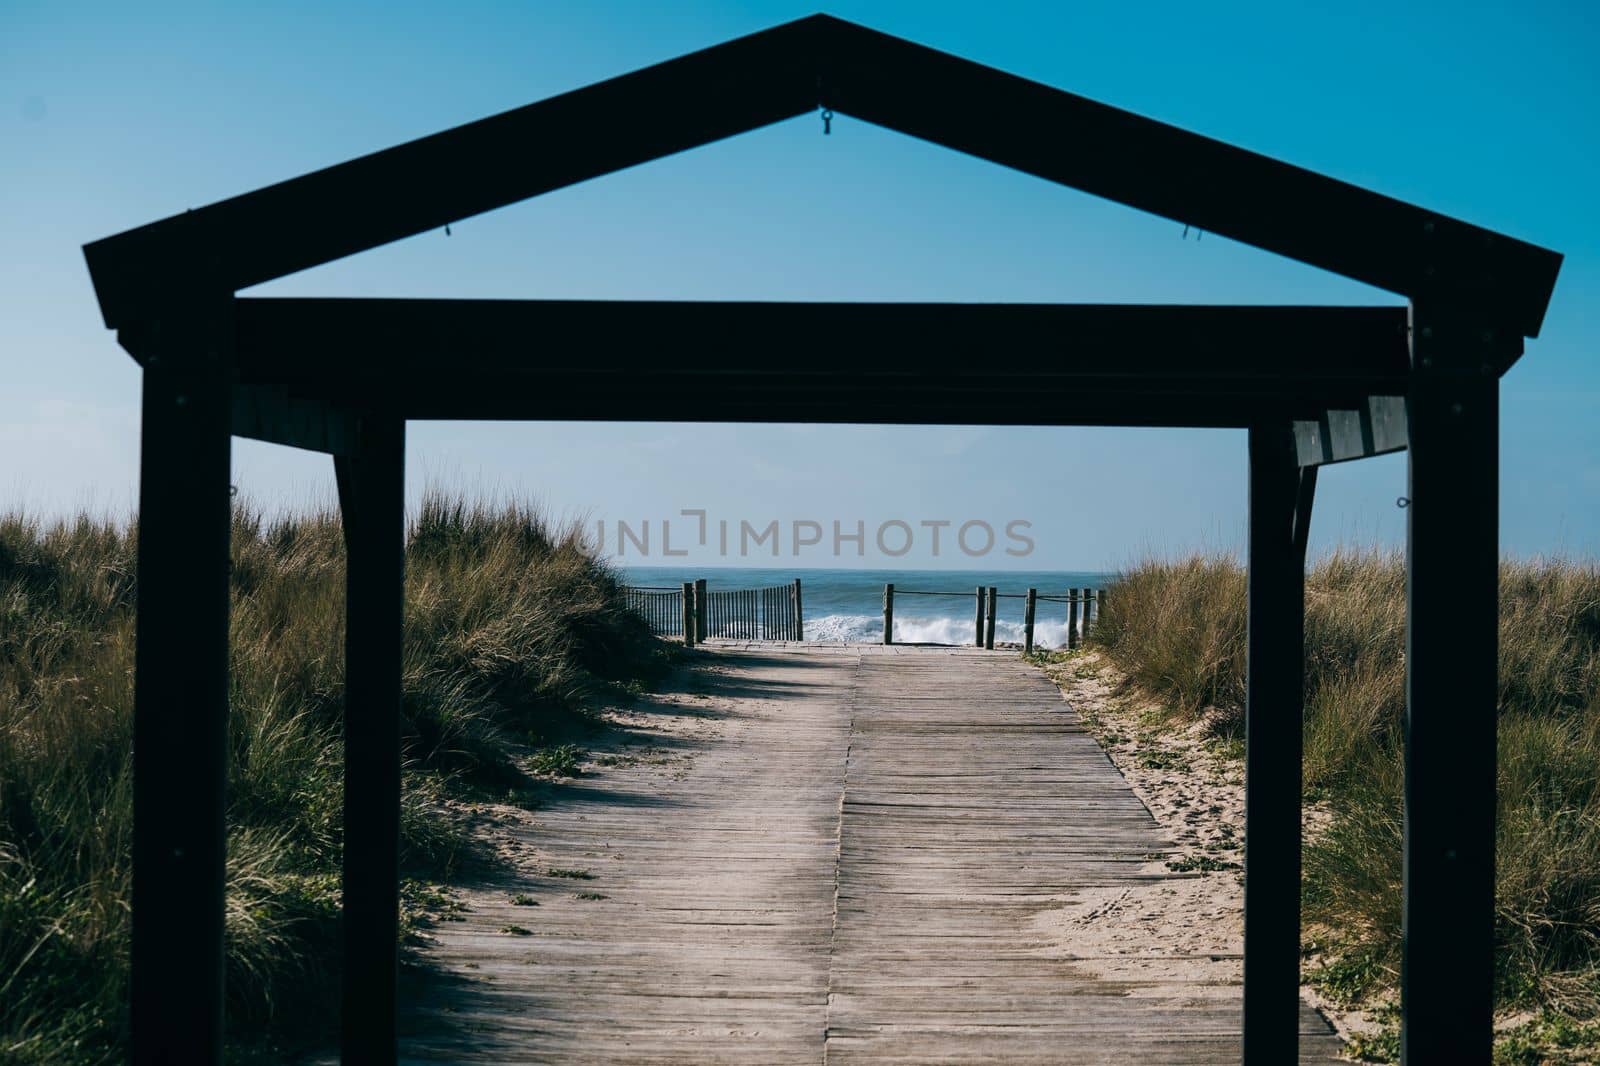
column 822, row 853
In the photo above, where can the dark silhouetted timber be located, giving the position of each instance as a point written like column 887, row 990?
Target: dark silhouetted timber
column 1312, row 385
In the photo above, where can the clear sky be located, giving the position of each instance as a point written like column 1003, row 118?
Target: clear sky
column 112, row 115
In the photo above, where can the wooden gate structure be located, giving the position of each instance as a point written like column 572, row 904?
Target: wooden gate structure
column 1311, row 384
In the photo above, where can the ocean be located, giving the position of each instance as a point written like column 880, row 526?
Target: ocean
column 847, row 605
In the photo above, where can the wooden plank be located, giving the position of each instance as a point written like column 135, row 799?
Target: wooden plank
column 372, row 501
column 1273, row 723
column 1376, row 427
column 843, row 861
column 180, row 718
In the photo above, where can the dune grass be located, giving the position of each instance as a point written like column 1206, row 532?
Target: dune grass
column 1177, row 629
column 510, row 622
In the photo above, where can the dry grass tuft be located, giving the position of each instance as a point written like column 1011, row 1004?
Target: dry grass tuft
column 1177, row 629
column 509, row 622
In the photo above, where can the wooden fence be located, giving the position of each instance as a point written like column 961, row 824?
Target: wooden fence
column 659, row 605
column 1082, row 606
column 693, row 612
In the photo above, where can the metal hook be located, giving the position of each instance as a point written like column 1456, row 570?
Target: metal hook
column 827, row 121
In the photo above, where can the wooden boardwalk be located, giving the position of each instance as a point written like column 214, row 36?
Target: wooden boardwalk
column 832, row 855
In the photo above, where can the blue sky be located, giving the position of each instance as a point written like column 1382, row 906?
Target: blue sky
column 111, row 116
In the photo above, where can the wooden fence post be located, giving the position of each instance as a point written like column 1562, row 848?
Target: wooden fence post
column 688, row 614
column 1072, row 619
column 700, row 620
column 799, row 618
column 988, row 636
column 977, row 640
column 1027, row 621
column 888, row 613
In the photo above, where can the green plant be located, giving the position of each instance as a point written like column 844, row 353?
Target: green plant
column 562, row 760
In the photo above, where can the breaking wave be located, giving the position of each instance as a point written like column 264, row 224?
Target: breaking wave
column 857, row 628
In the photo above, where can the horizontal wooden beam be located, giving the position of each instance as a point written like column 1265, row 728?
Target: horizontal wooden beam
column 1372, row 428
column 783, row 72
column 841, row 362
column 273, row 414
column 295, row 340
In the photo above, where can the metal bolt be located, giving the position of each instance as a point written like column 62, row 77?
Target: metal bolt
column 1427, row 227
column 1427, row 331
column 1450, row 853
column 177, row 853
column 180, row 400
column 1427, row 360
column 1455, row 408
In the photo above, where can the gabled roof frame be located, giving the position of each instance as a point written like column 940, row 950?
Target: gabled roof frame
column 823, row 62
column 1314, row 385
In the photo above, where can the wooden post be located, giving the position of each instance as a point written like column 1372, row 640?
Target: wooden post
column 989, row 608
column 1072, row 619
column 372, row 500
column 1273, row 723
column 1091, row 613
column 1452, row 648
column 688, row 614
column 799, row 617
column 888, row 613
column 180, row 717
column 1027, row 621
column 700, row 621
column 977, row 640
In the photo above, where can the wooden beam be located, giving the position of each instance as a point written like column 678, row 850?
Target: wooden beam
column 313, row 341
column 1183, row 176
column 428, row 183
column 1152, row 365
column 1305, row 497
column 180, row 730
column 1273, row 715
column 1452, row 645
column 274, row 414
column 372, row 499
